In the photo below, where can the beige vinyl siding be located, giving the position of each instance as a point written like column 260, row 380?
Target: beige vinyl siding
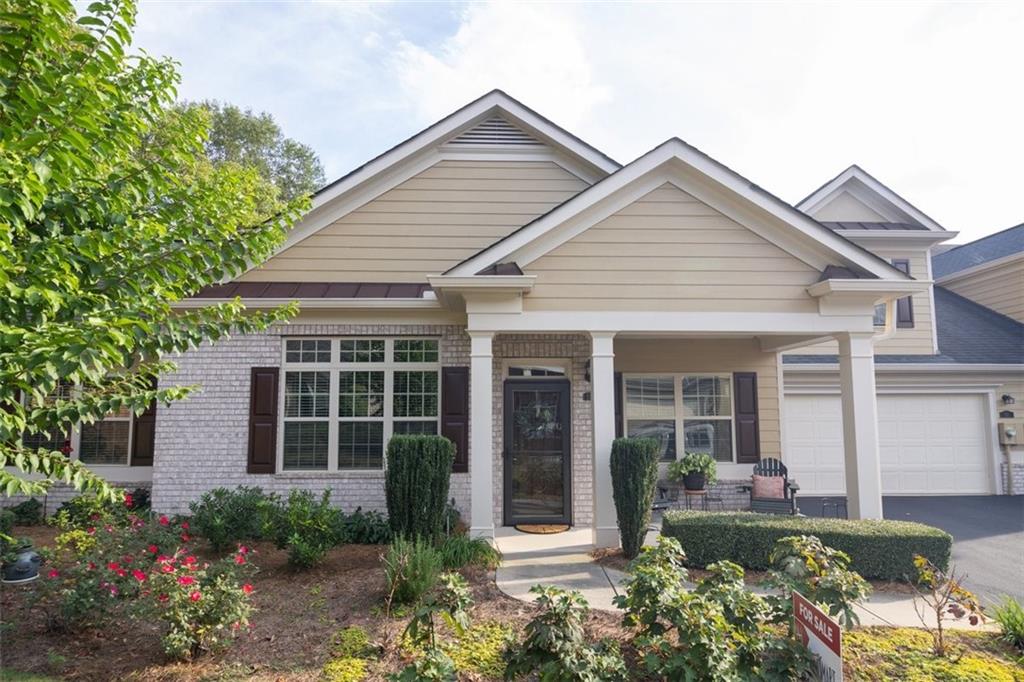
column 846, row 207
column 426, row 224
column 669, row 251
column 915, row 341
column 711, row 356
column 1000, row 288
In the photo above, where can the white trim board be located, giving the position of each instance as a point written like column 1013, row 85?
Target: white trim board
column 866, row 189
column 709, row 181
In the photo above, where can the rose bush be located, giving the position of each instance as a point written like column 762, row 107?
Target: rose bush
column 145, row 570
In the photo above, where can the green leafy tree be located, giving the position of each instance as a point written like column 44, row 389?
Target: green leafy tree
column 256, row 141
column 110, row 212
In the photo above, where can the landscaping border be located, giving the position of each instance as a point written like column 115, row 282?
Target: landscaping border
column 878, row 549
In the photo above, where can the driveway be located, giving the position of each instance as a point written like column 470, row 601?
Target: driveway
column 987, row 530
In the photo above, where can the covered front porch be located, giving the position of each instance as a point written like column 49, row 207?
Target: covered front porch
column 547, row 400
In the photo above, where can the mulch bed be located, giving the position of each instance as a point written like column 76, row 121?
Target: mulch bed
column 297, row 615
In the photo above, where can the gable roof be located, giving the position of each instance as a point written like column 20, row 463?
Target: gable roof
column 518, row 123
column 993, row 247
column 873, row 193
column 676, row 151
column 458, row 122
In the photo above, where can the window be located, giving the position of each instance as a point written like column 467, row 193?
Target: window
column 650, row 411
column 344, row 398
column 53, row 439
column 106, row 441
column 698, row 406
column 879, row 318
column 707, row 416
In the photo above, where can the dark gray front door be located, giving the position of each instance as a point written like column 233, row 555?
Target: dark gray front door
column 537, row 452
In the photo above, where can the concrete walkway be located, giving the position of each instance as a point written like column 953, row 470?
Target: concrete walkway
column 563, row 560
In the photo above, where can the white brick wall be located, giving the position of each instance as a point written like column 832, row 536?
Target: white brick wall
column 1018, row 478
column 575, row 347
column 202, row 442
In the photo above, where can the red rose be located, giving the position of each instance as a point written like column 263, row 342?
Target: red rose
column 164, row 521
column 113, row 565
column 185, row 537
column 186, row 580
column 239, row 559
column 153, row 549
column 139, row 575
column 167, row 568
column 54, row 573
column 189, row 560
column 195, row 596
column 162, row 598
column 184, row 524
column 128, row 500
column 242, row 549
column 247, row 588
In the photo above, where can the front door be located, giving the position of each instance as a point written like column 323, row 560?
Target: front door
column 537, row 452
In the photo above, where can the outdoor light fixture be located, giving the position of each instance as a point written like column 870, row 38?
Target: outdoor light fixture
column 1011, row 432
column 1008, row 399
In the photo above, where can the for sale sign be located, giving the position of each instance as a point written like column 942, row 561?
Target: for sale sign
column 822, row 637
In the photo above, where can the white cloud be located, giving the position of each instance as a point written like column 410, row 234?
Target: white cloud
column 926, row 97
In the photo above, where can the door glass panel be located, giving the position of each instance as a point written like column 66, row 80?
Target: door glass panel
column 537, row 453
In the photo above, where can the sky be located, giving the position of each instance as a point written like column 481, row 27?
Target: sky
column 927, row 97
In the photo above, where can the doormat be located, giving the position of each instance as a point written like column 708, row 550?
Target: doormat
column 542, row 528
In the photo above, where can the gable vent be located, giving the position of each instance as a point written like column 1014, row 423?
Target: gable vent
column 495, row 131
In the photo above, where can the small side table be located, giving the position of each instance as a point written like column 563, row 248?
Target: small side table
column 695, row 495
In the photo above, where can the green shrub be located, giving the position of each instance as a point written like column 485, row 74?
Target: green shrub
column 418, row 473
column 821, row 574
column 88, row 511
column 479, row 649
column 411, row 568
column 1010, row 617
column 364, row 528
column 718, row 631
column 555, row 648
column 877, row 549
column 307, row 527
column 7, row 518
column 634, row 464
column 227, row 517
column 450, row 601
column 351, row 642
column 28, row 513
column 461, row 550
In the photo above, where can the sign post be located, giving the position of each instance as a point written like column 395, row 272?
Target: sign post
column 822, row 637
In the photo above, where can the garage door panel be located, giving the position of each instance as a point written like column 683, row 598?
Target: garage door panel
column 928, row 443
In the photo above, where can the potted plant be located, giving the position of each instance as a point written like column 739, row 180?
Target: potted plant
column 697, row 471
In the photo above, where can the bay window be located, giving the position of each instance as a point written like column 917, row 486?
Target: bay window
column 345, row 398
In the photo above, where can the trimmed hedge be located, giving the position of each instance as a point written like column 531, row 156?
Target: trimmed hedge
column 634, row 465
column 416, row 484
column 882, row 550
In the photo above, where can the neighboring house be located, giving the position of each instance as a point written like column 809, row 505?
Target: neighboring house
column 499, row 281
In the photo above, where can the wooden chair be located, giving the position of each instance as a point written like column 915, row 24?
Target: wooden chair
column 771, row 505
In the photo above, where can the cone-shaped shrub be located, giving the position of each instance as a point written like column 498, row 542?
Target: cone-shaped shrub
column 634, row 475
column 417, row 484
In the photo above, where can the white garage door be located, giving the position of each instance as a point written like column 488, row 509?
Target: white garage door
column 929, row 444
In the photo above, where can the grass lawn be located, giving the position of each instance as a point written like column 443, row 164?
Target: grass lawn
column 299, row 616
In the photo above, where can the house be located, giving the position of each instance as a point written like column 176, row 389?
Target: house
column 497, row 280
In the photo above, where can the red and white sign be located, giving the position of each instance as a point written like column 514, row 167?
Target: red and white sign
column 822, row 637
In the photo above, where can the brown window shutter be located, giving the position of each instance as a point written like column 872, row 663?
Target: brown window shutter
column 263, row 420
column 144, row 436
column 618, row 406
column 748, row 437
column 455, row 413
column 904, row 306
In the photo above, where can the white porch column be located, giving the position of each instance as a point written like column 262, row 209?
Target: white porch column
column 602, row 383
column 481, row 435
column 860, row 425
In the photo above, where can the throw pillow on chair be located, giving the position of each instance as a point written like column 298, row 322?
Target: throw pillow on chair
column 769, row 487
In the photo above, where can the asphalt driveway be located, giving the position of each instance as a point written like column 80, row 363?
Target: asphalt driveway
column 987, row 530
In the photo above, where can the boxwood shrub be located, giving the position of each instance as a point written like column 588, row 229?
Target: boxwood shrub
column 881, row 550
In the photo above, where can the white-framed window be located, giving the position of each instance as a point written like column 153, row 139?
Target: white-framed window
column 104, row 442
column 699, row 406
column 650, row 410
column 344, row 398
